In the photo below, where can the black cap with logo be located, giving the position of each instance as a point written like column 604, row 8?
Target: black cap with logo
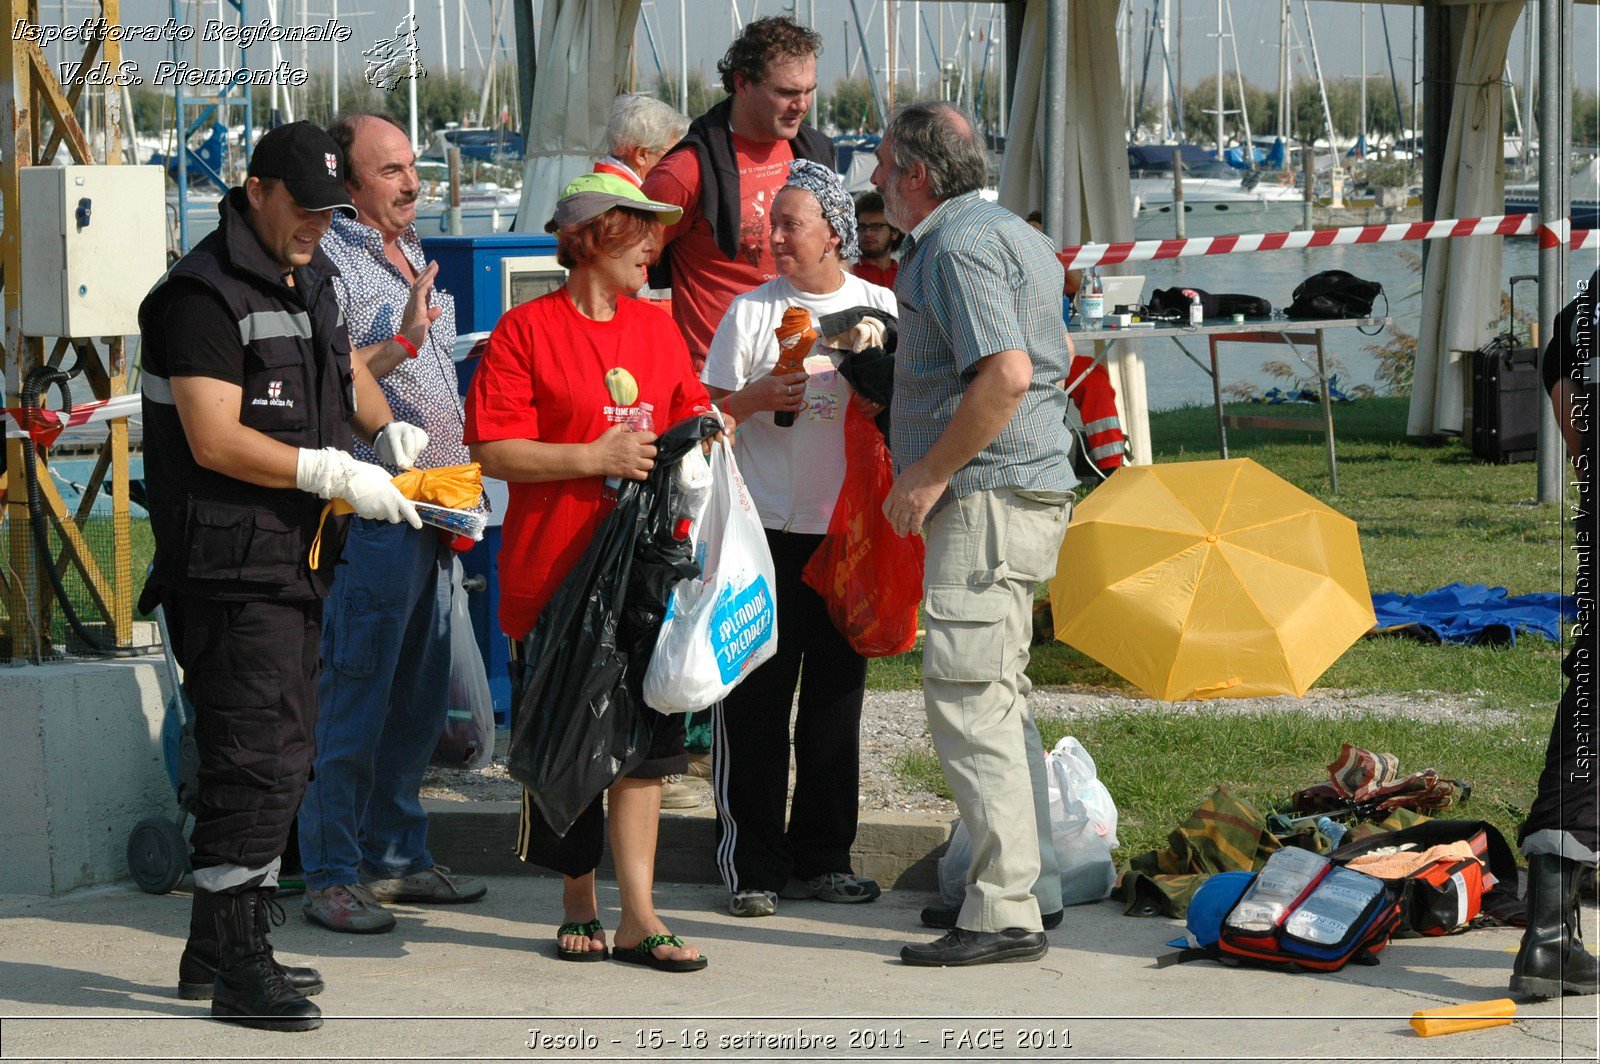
column 308, row 162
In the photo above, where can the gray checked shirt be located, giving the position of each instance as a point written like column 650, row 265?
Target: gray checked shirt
column 373, row 293
column 976, row 280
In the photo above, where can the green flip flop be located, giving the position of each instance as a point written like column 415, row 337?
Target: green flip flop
column 588, row 930
column 644, row 953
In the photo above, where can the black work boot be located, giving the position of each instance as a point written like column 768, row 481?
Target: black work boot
column 250, row 989
column 1552, row 960
column 197, row 970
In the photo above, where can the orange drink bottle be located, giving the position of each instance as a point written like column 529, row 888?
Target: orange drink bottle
column 795, row 339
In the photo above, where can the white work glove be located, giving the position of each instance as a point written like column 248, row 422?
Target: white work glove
column 332, row 474
column 868, row 332
column 398, row 444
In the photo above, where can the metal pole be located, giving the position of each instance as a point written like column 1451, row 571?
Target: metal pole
column 1179, row 221
column 1309, row 166
column 1555, row 136
column 336, row 61
column 1055, row 143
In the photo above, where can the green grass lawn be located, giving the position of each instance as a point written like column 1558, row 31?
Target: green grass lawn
column 1428, row 515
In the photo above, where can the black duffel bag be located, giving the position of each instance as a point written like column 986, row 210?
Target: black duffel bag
column 1334, row 294
column 1172, row 303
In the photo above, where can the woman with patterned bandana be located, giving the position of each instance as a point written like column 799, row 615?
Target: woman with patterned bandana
column 794, row 473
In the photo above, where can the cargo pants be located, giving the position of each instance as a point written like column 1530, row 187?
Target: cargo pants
column 985, row 553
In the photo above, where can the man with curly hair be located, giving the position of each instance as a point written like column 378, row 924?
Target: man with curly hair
column 725, row 172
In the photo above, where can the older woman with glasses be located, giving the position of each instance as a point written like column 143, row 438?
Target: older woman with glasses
column 791, row 451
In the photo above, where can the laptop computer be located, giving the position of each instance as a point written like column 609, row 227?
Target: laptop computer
column 1122, row 291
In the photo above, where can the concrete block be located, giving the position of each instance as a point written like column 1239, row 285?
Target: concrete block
column 900, row 852
column 83, row 766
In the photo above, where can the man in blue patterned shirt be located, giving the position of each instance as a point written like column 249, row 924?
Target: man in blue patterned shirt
column 386, row 630
column 982, row 471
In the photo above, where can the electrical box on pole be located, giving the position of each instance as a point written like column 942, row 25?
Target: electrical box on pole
column 94, row 239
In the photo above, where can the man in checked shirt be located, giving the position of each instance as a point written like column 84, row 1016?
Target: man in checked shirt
column 983, row 471
column 386, row 630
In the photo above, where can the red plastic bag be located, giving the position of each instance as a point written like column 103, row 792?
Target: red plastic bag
column 870, row 577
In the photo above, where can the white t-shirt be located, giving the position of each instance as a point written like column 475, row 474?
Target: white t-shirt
column 794, row 474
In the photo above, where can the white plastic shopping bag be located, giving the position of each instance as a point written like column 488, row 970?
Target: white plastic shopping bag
column 468, row 737
column 954, row 864
column 1083, row 824
column 723, row 623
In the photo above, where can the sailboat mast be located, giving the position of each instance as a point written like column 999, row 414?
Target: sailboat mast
column 1362, row 133
column 444, row 43
column 888, row 49
column 1283, row 80
column 411, row 82
column 1220, row 116
column 336, row 59
column 1322, row 88
column 916, row 46
column 1166, row 71
column 1244, row 106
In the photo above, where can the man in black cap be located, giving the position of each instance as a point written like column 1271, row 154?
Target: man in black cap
column 250, row 396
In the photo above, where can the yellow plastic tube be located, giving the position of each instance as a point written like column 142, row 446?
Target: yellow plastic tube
column 1472, row 1016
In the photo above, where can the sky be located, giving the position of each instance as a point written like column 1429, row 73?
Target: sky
column 710, row 27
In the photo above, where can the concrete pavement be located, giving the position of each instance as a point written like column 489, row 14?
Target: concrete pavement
column 91, row 976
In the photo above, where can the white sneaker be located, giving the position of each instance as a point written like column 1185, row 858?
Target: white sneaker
column 753, row 903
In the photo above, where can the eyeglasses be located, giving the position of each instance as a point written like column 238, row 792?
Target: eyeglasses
column 873, row 227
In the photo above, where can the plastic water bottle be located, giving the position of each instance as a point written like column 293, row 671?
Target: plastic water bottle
column 638, row 420
column 1094, row 299
column 1332, row 829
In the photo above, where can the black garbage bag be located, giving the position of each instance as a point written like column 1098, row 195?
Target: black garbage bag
column 580, row 724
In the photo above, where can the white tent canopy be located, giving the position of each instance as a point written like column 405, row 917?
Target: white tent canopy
column 583, row 61
column 1461, row 283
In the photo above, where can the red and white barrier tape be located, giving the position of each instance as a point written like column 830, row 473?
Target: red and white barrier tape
column 45, row 425
column 1086, row 255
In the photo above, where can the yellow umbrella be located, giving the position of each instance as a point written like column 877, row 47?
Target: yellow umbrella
column 1210, row 579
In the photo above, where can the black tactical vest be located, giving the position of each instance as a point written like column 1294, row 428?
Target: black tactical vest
column 217, row 536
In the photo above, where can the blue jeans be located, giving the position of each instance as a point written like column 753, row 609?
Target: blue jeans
column 383, row 693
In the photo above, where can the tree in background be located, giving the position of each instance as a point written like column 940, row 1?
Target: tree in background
column 702, row 96
column 1306, row 121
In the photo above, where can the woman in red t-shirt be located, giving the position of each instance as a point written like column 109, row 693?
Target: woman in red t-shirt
column 570, row 391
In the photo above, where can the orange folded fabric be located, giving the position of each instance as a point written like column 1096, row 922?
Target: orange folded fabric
column 459, row 487
column 1402, row 864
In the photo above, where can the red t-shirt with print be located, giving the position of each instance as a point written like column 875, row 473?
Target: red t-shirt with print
column 878, row 275
column 542, row 378
column 704, row 280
